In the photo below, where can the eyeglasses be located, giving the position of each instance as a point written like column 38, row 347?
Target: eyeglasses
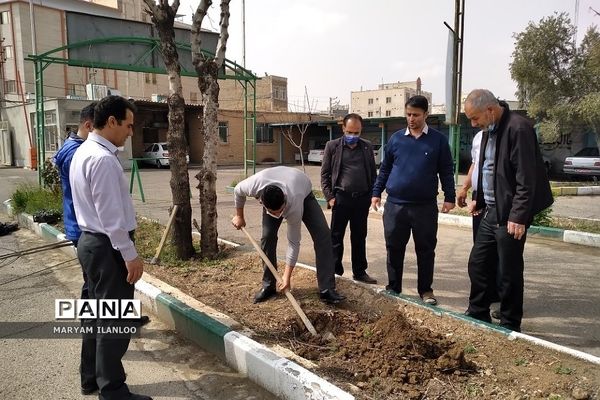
column 351, row 133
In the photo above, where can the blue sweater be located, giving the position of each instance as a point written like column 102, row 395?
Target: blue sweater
column 409, row 171
column 62, row 159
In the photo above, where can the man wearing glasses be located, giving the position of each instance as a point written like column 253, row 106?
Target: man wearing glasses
column 287, row 193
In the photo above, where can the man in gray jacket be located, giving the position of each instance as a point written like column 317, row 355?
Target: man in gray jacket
column 287, row 193
column 348, row 173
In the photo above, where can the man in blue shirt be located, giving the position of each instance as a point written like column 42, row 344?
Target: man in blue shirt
column 414, row 158
column 62, row 160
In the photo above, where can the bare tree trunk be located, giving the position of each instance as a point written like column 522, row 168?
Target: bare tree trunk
column 163, row 17
column 207, row 70
column 207, row 177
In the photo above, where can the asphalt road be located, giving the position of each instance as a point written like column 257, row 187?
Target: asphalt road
column 159, row 363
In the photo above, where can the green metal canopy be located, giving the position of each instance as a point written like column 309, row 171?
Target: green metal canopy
column 230, row 70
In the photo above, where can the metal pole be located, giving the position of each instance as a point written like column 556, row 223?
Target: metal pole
column 244, row 33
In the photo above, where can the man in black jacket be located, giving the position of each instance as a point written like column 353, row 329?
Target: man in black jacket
column 348, row 173
column 512, row 189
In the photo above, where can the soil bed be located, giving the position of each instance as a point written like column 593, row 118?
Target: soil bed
column 381, row 348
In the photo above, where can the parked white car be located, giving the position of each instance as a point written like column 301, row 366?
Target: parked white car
column 377, row 152
column 316, row 155
column 585, row 163
column 157, row 154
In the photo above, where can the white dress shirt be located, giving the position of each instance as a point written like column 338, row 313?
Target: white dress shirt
column 296, row 186
column 100, row 194
column 475, row 159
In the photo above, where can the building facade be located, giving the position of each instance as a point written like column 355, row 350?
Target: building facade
column 387, row 100
column 61, row 22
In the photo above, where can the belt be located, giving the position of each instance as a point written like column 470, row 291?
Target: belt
column 98, row 234
column 353, row 194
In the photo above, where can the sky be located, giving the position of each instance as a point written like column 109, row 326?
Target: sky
column 333, row 47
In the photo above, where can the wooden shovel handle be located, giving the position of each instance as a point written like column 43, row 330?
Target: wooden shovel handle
column 288, row 294
column 166, row 232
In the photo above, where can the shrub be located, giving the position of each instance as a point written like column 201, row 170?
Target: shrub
column 543, row 218
column 31, row 199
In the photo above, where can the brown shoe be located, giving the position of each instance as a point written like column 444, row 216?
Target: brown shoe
column 429, row 299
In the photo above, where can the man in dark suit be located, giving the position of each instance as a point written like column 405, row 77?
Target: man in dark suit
column 348, row 173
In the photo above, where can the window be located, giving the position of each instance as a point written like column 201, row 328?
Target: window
column 50, row 129
column 388, row 113
column 370, row 101
column 280, row 93
column 223, row 131
column 150, row 78
column 51, row 137
column 8, row 52
column 49, row 117
column 388, row 100
column 11, row 86
column 71, row 89
column 369, row 114
column 264, row 134
column 193, row 96
column 4, row 18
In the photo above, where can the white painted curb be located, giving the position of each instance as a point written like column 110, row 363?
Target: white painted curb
column 280, row 376
column 583, row 238
column 557, row 347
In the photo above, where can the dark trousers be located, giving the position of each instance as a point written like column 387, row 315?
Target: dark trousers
column 493, row 241
column 492, row 260
column 399, row 220
column 101, row 354
column 356, row 211
column 84, row 287
column 314, row 220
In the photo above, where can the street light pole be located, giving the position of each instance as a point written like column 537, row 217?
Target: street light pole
column 455, row 103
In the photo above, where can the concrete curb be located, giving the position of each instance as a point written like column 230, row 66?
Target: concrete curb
column 280, row 376
column 567, row 236
column 510, row 335
column 576, row 191
column 275, row 373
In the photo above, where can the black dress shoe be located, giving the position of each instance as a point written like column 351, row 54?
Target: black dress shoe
column 133, row 396
column 481, row 317
column 264, row 294
column 144, row 319
column 87, row 390
column 365, row 278
column 331, row 296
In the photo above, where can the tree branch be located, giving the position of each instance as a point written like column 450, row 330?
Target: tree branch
column 224, row 35
column 152, row 8
column 197, row 19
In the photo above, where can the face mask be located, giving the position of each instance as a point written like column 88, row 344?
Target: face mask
column 273, row 215
column 492, row 125
column 350, row 139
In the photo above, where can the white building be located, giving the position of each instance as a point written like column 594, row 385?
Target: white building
column 387, row 100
